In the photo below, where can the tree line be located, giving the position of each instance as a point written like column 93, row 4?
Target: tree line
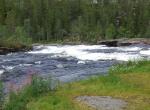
column 79, row 20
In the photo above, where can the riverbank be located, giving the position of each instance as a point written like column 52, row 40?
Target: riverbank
column 125, row 42
column 13, row 46
column 128, row 82
column 21, row 48
column 108, row 42
column 6, row 48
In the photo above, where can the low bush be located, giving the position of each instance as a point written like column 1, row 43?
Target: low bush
column 38, row 86
column 15, row 39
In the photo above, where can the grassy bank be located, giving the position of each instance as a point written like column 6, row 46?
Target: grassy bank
column 14, row 45
column 129, row 82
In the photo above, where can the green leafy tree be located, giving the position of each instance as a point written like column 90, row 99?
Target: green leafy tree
column 86, row 20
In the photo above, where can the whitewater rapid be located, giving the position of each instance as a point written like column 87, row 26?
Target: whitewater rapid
column 94, row 52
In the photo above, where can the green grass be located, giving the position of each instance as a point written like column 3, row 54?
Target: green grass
column 129, row 81
column 1, row 95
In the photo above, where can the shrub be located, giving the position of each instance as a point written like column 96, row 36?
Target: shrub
column 18, row 101
column 14, row 39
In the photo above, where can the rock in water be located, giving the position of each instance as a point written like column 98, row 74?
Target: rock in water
column 109, row 43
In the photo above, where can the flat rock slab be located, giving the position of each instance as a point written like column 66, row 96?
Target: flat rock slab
column 102, row 103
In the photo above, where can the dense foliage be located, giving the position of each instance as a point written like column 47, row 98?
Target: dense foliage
column 80, row 20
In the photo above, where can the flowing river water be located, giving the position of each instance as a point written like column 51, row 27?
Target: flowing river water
column 67, row 62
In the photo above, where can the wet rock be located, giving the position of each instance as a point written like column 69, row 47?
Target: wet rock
column 139, row 41
column 103, row 103
column 125, row 42
column 110, row 43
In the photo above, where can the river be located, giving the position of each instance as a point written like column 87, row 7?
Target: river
column 67, row 62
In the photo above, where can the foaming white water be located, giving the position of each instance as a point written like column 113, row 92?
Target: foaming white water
column 1, row 72
column 129, row 48
column 108, row 56
column 84, row 52
column 145, row 52
column 5, row 60
column 38, row 62
column 8, row 67
column 81, row 62
column 25, row 64
column 68, row 49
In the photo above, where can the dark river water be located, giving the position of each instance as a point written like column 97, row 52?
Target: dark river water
column 67, row 62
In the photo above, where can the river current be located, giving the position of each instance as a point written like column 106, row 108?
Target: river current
column 67, row 62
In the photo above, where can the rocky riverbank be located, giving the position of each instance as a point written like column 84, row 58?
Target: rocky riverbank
column 125, row 42
column 111, row 43
column 22, row 48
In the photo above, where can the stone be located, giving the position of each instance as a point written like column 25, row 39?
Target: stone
column 109, row 43
column 102, row 102
column 125, row 42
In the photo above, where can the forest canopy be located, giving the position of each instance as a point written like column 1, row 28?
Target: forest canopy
column 80, row 20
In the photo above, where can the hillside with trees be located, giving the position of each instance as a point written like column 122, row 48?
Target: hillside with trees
column 77, row 20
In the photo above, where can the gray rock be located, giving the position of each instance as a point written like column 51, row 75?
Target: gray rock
column 103, row 103
column 124, row 42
